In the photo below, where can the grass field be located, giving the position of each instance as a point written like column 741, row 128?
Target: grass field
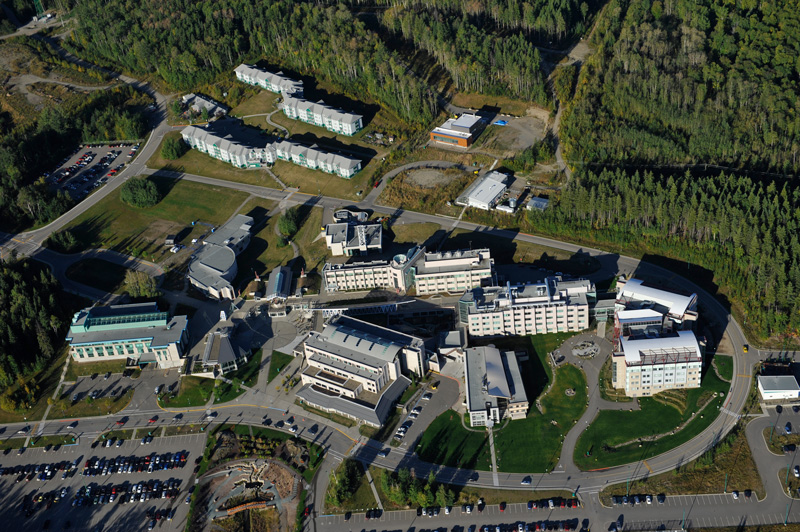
column 792, row 488
column 115, row 225
column 538, row 427
column 277, row 363
column 64, row 408
column 85, row 369
column 193, row 391
column 318, row 182
column 248, row 374
column 124, row 434
column 99, row 274
column 730, row 461
column 477, row 101
column 178, row 430
column 447, row 442
column 261, row 102
column 421, row 234
column 198, row 163
column 505, row 250
column 387, row 429
column 336, row 418
column 12, row 443
column 52, row 439
column 605, row 442
column 724, row 365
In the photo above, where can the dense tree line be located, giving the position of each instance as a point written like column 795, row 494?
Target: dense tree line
column 744, row 231
column 28, row 149
column 686, row 81
column 477, row 60
column 33, row 315
column 545, row 20
column 188, row 43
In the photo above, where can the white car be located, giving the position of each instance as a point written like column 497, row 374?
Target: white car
column 293, row 429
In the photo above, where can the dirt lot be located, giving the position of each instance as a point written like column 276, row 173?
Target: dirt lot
column 430, row 178
column 517, row 135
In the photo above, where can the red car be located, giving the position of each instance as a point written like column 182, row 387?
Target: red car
column 152, row 420
column 120, row 422
column 307, row 511
column 502, row 507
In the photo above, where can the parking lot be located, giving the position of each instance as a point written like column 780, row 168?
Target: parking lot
column 91, row 167
column 423, row 411
column 22, row 504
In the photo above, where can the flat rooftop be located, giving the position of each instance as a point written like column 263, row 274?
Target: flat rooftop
column 635, row 290
column 780, row 383
column 676, row 348
column 490, row 375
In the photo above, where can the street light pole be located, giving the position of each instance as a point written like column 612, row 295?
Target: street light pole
column 786, row 519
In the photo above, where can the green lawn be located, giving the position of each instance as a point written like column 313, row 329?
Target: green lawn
column 85, row 369
column 12, row 443
column 386, row 430
column 447, row 442
column 115, row 225
column 336, row 418
column 46, row 382
column 64, row 408
column 277, row 363
column 52, row 439
column 264, row 251
column 124, row 434
column 247, row 374
column 724, row 365
column 194, row 391
column 199, row 163
column 99, row 274
column 408, row 393
column 361, row 500
column 538, row 428
column 605, row 437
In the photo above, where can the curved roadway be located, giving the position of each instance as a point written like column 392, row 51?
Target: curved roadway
column 29, row 242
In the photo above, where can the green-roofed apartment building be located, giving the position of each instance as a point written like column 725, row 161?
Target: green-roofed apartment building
column 138, row 333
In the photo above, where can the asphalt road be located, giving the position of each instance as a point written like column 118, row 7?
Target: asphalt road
column 339, row 445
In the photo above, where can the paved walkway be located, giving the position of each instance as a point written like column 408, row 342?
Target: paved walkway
column 372, row 485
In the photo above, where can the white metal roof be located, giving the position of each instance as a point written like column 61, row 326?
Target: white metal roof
column 779, row 383
column 636, row 349
column 489, row 188
column 638, row 315
column 677, row 303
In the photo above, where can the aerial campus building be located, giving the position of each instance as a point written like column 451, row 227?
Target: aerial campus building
column 357, row 369
column 353, row 239
column 275, row 82
column 222, row 352
column 137, row 333
column 245, row 148
column 655, row 348
column 322, row 115
column 213, row 267
column 547, row 307
column 485, row 192
column 493, row 386
column 431, row 273
column 459, row 131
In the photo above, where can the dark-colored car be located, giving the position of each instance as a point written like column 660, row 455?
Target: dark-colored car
column 789, row 448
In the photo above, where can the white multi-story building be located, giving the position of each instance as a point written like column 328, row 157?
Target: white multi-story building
column 431, row 273
column 322, row 115
column 493, row 384
column 356, row 369
column 316, row 159
column 453, row 271
column 548, row 307
column 244, row 150
column 646, row 366
column 275, row 82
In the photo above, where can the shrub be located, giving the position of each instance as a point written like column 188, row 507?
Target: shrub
column 140, row 192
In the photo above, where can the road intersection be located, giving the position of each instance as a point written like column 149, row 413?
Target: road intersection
column 340, row 444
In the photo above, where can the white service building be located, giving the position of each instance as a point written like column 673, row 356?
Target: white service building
column 780, row 387
column 484, row 192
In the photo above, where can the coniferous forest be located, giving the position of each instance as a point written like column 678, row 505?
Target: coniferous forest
column 691, row 81
column 745, row 232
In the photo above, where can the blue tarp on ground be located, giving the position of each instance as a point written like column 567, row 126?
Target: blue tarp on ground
column 500, row 122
